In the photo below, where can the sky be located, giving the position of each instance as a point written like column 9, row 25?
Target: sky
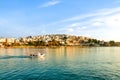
column 98, row 19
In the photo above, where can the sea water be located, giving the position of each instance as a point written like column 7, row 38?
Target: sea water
column 60, row 63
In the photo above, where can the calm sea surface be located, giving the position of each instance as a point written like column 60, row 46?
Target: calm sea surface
column 63, row 63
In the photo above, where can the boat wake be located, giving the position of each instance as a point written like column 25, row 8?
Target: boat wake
column 11, row 57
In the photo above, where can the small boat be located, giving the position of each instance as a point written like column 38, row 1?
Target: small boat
column 37, row 55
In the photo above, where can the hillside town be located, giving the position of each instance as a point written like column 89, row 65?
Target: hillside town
column 55, row 40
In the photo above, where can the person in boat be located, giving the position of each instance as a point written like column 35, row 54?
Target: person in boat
column 38, row 54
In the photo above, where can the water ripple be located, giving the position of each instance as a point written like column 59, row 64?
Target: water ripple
column 70, row 66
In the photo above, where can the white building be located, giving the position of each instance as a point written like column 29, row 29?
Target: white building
column 10, row 40
column 2, row 40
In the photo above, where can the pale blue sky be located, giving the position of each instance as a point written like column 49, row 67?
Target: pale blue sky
column 93, row 18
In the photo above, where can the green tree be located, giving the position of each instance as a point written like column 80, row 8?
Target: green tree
column 65, row 38
column 39, row 43
column 94, row 41
column 112, row 43
column 54, row 43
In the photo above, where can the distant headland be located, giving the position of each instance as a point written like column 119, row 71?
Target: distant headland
column 55, row 40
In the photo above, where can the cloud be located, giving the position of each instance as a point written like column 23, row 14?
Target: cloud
column 98, row 14
column 103, row 24
column 69, row 30
column 50, row 3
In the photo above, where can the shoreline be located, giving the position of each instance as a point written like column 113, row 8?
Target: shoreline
column 55, row 46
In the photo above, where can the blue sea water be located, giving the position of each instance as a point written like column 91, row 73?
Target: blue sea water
column 62, row 63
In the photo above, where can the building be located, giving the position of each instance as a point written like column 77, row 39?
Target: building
column 2, row 40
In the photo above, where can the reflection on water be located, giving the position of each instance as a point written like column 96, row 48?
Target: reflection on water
column 62, row 63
